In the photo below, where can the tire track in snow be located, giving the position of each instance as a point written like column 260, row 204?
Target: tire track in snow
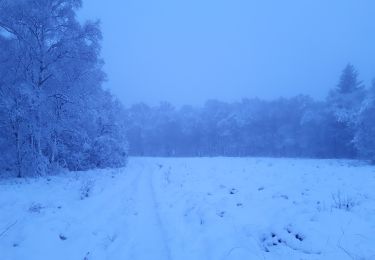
column 158, row 217
column 147, row 234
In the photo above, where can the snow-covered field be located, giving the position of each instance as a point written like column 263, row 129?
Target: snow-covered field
column 208, row 208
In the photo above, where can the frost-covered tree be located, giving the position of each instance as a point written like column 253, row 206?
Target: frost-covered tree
column 50, row 87
column 286, row 127
column 251, row 127
column 110, row 145
column 344, row 102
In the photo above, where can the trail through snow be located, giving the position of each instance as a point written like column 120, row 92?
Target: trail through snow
column 203, row 209
column 149, row 239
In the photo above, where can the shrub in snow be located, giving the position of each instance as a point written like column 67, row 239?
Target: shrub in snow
column 108, row 152
column 343, row 202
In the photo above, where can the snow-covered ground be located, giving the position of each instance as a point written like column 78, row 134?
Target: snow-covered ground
column 203, row 208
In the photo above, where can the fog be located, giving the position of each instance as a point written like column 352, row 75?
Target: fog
column 188, row 129
column 186, row 52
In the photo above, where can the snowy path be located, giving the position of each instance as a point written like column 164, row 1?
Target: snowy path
column 148, row 241
column 118, row 220
column 203, row 209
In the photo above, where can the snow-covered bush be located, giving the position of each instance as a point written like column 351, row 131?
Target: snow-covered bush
column 109, row 152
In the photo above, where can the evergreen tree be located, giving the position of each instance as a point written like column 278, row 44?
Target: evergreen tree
column 344, row 103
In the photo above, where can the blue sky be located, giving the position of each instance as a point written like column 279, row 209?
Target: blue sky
column 187, row 51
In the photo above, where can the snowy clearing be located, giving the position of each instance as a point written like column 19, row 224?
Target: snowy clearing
column 203, row 208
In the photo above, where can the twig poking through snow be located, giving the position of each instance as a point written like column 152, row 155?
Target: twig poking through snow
column 8, row 228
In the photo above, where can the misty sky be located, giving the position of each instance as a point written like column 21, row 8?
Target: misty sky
column 187, row 51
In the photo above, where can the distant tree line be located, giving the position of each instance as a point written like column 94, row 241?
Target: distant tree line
column 53, row 111
column 55, row 114
column 342, row 126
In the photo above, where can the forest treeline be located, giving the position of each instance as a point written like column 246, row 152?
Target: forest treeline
column 54, row 112
column 342, row 126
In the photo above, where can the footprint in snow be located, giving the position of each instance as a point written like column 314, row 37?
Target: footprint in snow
column 63, row 237
column 233, row 191
column 289, row 238
column 282, row 196
column 36, row 208
column 221, row 214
